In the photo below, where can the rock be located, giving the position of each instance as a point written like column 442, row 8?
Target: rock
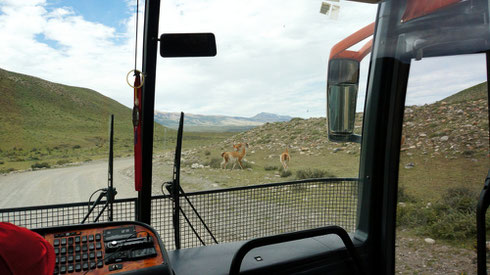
column 429, row 241
column 422, row 135
column 337, row 150
column 197, row 166
column 409, row 165
column 444, row 138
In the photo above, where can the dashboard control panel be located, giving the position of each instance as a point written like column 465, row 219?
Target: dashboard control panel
column 107, row 248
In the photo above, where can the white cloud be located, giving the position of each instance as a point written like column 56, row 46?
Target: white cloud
column 276, row 61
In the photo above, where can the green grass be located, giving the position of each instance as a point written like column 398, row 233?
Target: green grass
column 47, row 122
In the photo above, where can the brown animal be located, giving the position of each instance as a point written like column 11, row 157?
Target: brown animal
column 234, row 157
column 285, row 158
column 238, row 146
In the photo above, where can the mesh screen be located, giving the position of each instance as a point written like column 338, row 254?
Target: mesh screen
column 66, row 214
column 230, row 214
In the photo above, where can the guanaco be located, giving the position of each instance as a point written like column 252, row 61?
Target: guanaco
column 285, row 158
column 238, row 146
column 234, row 157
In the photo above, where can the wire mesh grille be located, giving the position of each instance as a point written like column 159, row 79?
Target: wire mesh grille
column 230, row 214
column 243, row 214
column 66, row 214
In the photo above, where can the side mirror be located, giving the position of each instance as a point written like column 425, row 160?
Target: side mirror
column 187, row 44
column 342, row 86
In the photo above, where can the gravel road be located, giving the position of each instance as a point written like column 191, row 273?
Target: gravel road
column 64, row 185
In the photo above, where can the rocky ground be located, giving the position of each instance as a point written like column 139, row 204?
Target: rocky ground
column 418, row 255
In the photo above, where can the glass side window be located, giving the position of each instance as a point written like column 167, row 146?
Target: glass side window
column 443, row 165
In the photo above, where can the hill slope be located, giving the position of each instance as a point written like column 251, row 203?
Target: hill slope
column 38, row 113
column 48, row 122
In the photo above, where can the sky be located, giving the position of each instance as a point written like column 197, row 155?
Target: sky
column 272, row 55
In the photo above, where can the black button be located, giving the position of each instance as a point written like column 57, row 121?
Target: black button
column 63, row 260
column 97, row 237
column 91, row 246
column 85, row 256
column 92, row 265
column 56, row 242
column 100, row 264
column 92, row 255
column 91, row 238
column 78, row 248
column 63, row 269
column 84, row 248
column 78, row 267
column 70, row 250
column 78, row 257
column 99, row 254
column 57, row 260
column 77, row 239
column 84, row 239
column 71, row 258
column 63, row 242
column 63, row 250
column 70, row 268
column 56, row 270
column 70, row 241
column 98, row 245
column 56, row 251
column 85, row 266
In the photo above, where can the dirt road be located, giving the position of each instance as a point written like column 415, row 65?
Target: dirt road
column 64, row 185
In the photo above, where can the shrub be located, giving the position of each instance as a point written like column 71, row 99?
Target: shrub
column 403, row 196
column 207, row 153
column 214, row 163
column 77, row 146
column 6, row 170
column 312, row 174
column 285, row 174
column 63, row 161
column 245, row 165
column 453, row 217
column 270, row 168
column 460, row 199
column 39, row 165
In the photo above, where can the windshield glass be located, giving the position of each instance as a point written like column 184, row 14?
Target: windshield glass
column 63, row 72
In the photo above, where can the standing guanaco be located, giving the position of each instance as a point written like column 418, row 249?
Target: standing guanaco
column 234, row 157
column 285, row 158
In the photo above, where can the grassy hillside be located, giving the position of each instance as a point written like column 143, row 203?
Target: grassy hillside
column 473, row 93
column 41, row 114
column 43, row 121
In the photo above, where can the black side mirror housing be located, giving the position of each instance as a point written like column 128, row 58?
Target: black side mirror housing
column 187, row 44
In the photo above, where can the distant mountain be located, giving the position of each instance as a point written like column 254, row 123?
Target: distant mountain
column 215, row 123
column 268, row 117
